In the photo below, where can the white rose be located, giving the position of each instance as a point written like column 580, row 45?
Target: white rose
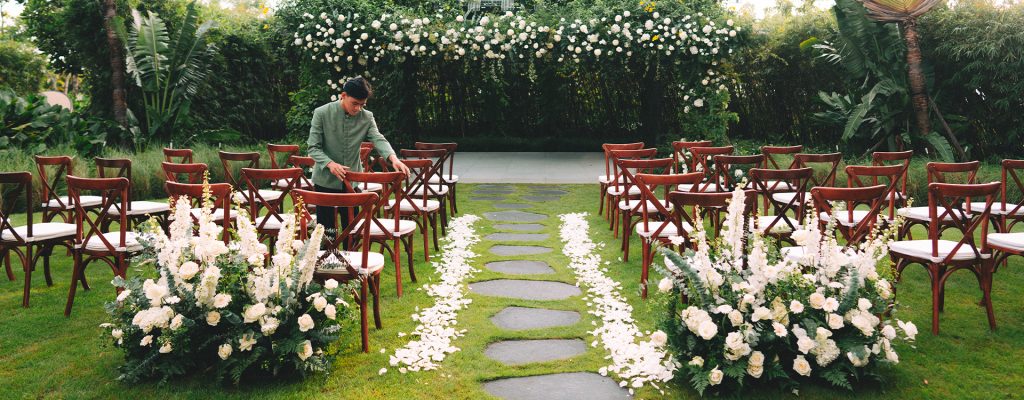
column 269, row 326
column 761, row 313
column 212, row 318
column 659, row 338
column 123, row 295
column 883, row 288
column 817, row 300
column 801, row 366
column 863, row 304
column 909, row 328
column 305, row 350
column 254, row 312
column 117, row 333
column 780, row 329
column 375, row 24
column 805, row 344
column 331, row 284
column 757, row 358
column 697, row 360
column 319, row 303
column 176, row 322
column 188, row 270
column 863, row 323
column 707, row 330
column 146, row 340
column 736, row 317
column 835, row 321
column 715, row 376
column 154, row 292
column 796, row 307
column 831, row 305
column 664, row 285
column 364, row 36
column 889, row 332
column 224, row 351
column 305, row 323
column 221, row 300
column 755, row 370
column 459, row 19
column 166, row 348
column 330, row 311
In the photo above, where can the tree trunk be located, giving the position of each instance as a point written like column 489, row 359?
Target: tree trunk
column 117, row 66
column 918, row 92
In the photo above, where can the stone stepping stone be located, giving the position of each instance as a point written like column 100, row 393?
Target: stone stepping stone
column 519, row 352
column 519, row 227
column 493, row 191
column 512, row 206
column 541, row 198
column 492, row 186
column 488, row 198
column 525, row 290
column 523, row 318
column 555, row 192
column 514, row 216
column 566, row 386
column 520, row 267
column 517, row 237
column 504, row 250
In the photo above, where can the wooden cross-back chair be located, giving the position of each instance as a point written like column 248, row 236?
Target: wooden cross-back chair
column 138, row 211
column 421, row 184
column 779, row 157
column 768, row 183
column 659, row 220
column 52, row 172
column 880, row 158
column 370, row 161
column 823, row 173
column 446, row 174
column 178, row 156
column 939, row 172
column 710, row 206
column 281, row 156
column 420, row 208
column 233, row 164
column 1008, row 211
column 871, row 175
column 704, row 162
column 682, row 156
column 606, row 180
column 942, row 257
column 630, row 207
column 388, row 226
column 220, row 198
column 341, row 265
column 617, row 187
column 184, row 173
column 31, row 241
column 855, row 225
column 91, row 243
column 732, row 170
column 269, row 224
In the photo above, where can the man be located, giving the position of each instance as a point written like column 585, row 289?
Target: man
column 337, row 130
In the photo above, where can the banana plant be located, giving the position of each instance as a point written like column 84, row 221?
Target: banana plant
column 169, row 72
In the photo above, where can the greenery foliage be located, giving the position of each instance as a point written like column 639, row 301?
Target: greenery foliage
column 21, row 69
column 31, row 125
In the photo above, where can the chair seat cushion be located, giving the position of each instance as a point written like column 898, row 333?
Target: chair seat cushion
column 777, row 185
column 625, row 205
column 407, row 206
column 301, row 184
column 786, row 197
column 609, row 178
column 923, row 249
column 143, row 208
column 131, row 242
column 435, row 190
column 41, row 231
column 446, row 178
column 218, row 214
column 1010, row 241
column 703, row 187
column 87, row 201
column 269, row 222
column 370, row 186
column 653, row 226
column 780, row 227
column 374, row 261
column 618, row 190
column 844, row 217
column 405, row 227
column 998, row 208
column 921, row 214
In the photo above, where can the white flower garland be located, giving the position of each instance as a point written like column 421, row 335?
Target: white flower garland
column 635, row 363
column 437, row 324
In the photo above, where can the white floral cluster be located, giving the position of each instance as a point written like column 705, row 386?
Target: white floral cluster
column 347, row 41
column 831, row 291
column 635, row 362
column 437, row 325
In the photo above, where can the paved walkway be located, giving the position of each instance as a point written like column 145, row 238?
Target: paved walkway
column 524, row 167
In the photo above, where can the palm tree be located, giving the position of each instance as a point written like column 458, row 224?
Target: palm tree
column 905, row 13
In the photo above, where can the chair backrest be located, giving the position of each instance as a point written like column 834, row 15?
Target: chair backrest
column 11, row 185
column 439, row 156
column 732, row 169
column 279, row 154
column 304, row 162
column 629, row 154
column 704, row 162
column 609, row 147
column 114, row 192
column 116, row 168
column 630, row 168
column 61, row 166
column 220, row 196
column 234, row 162
column 713, row 206
column 945, row 208
column 775, row 157
column 178, row 156
column 649, row 185
column 895, row 158
column 192, row 173
column 888, row 175
column 418, row 180
column 681, row 153
column 369, row 160
column 337, row 201
column 449, row 156
column 391, row 183
column 255, row 179
column 853, row 231
column 824, row 166
column 1011, row 170
column 767, row 182
column 942, row 172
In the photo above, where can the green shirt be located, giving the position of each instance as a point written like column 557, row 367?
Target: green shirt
column 335, row 136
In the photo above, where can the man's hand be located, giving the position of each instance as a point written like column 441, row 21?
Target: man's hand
column 337, row 169
column 399, row 165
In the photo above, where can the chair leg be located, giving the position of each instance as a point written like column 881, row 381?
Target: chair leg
column 376, row 300
column 644, row 268
column 363, row 323
column 433, row 230
column 396, row 257
column 426, row 243
column 409, row 250
column 985, row 281
column 600, row 209
column 7, row 264
column 27, row 266
column 76, row 275
column 936, row 279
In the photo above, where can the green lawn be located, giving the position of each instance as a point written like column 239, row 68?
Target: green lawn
column 48, row 356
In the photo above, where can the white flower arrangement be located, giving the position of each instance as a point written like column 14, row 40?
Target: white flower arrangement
column 634, row 361
column 218, row 305
column 436, row 329
column 752, row 315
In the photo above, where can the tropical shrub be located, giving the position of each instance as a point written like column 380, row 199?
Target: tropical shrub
column 31, row 125
column 21, row 69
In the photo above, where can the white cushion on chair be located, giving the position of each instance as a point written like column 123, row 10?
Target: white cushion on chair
column 1012, row 241
column 923, row 249
column 780, row 227
column 374, row 261
column 143, row 208
column 635, row 204
column 87, row 201
column 608, row 178
column 272, row 223
column 776, row 185
column 447, row 178
column 785, row 197
column 653, row 226
column 844, row 217
column 432, row 205
column 921, row 213
column 283, row 183
column 436, row 190
column 404, row 227
column 41, row 231
column 997, row 208
column 617, row 191
column 131, row 242
column 704, row 186
column 370, row 186
column 218, row 214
